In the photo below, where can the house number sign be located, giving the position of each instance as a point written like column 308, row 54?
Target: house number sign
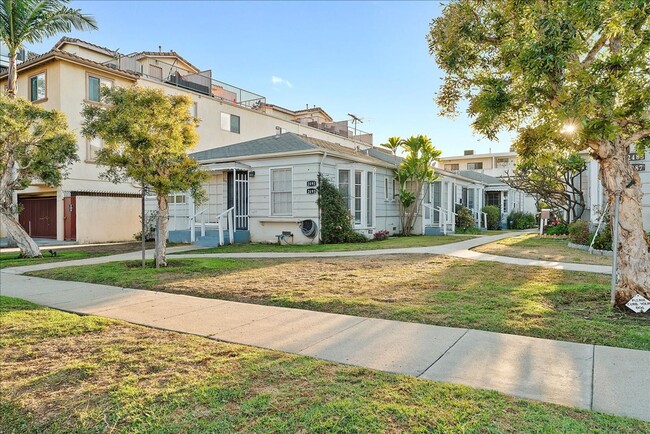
column 311, row 191
column 638, row 304
column 311, row 183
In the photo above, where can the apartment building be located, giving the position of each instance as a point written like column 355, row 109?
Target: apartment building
column 86, row 208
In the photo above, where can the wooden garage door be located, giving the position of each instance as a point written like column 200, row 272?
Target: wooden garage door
column 38, row 216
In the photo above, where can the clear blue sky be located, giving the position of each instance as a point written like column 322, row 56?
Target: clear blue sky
column 366, row 58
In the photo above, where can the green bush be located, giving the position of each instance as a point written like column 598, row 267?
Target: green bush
column 579, row 232
column 464, row 219
column 602, row 241
column 336, row 221
column 560, row 228
column 521, row 220
column 493, row 217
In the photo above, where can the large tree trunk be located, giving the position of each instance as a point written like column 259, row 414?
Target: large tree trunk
column 12, row 75
column 28, row 248
column 633, row 262
column 161, row 240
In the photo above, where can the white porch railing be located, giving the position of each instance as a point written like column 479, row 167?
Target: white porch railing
column 231, row 228
column 193, row 224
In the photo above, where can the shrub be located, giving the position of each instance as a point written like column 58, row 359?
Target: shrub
column 521, row 220
column 557, row 228
column 336, row 221
column 493, row 217
column 380, row 235
column 150, row 222
column 602, row 241
column 464, row 219
column 579, row 232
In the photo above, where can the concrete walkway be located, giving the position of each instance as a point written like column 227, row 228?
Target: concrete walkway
column 461, row 249
column 610, row 380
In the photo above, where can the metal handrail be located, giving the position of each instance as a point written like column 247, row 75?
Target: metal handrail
column 192, row 222
column 231, row 233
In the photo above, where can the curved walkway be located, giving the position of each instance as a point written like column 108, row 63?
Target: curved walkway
column 461, row 249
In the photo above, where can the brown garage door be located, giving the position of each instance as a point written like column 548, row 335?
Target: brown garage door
column 38, row 216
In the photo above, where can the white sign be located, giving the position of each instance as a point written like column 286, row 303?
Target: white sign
column 638, row 304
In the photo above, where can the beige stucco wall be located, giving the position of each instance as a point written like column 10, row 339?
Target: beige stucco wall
column 106, row 219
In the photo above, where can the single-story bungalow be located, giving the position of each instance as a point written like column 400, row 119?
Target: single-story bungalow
column 265, row 190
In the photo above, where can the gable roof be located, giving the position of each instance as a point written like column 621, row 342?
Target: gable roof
column 164, row 54
column 65, row 55
column 481, row 177
column 285, row 143
column 74, row 41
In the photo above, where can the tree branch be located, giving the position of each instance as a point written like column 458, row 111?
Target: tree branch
column 635, row 138
column 600, row 43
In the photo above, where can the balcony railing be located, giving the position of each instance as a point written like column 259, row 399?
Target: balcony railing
column 201, row 82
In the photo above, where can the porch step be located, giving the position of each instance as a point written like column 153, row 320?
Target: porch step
column 211, row 238
column 429, row 230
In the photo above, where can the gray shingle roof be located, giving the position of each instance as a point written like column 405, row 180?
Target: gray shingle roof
column 280, row 144
column 481, row 177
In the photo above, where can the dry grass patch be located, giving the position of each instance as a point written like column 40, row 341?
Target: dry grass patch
column 531, row 246
column 530, row 301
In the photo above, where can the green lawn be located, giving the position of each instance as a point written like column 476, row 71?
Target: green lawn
column 531, row 246
column 390, row 243
column 529, row 301
column 63, row 373
column 71, row 253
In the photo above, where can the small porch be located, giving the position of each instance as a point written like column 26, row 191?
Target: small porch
column 222, row 218
column 441, row 200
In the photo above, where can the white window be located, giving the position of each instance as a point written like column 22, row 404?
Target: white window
column 94, row 87
column 451, row 167
column 474, row 166
column 94, row 145
column 502, row 162
column 176, row 198
column 230, row 123
column 369, row 198
column 386, row 191
column 357, row 196
column 281, row 191
column 37, row 87
column 344, row 187
column 194, row 110
column 395, row 190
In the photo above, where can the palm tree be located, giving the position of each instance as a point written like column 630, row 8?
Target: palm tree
column 30, row 21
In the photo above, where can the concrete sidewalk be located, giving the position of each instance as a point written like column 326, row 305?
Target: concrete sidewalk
column 610, row 380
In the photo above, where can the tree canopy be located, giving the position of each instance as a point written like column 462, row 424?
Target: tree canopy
column 147, row 135
column 34, row 144
column 565, row 75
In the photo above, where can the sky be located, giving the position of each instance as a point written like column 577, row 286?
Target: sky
column 366, row 58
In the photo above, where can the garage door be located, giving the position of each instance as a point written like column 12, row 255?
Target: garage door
column 38, row 216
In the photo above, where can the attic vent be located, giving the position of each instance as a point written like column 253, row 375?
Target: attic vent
column 469, row 152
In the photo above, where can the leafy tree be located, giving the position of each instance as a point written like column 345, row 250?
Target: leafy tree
column 30, row 21
column 413, row 173
column 146, row 138
column 493, row 214
column 34, row 144
column 554, row 180
column 335, row 218
column 567, row 75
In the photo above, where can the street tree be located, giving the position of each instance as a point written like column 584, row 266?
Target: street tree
column 567, row 75
column 31, row 21
column 552, row 179
column 415, row 171
column 34, row 144
column 147, row 135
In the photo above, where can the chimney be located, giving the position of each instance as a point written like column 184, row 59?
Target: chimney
column 469, row 152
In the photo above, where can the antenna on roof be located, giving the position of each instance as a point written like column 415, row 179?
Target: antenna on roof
column 355, row 120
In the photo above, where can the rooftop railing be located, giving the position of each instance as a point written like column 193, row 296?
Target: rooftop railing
column 201, row 82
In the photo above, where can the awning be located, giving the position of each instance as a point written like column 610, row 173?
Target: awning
column 222, row 167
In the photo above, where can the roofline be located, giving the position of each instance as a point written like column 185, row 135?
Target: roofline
column 72, row 58
column 296, row 112
column 469, row 157
column 85, row 44
column 315, row 151
column 451, row 174
column 164, row 54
